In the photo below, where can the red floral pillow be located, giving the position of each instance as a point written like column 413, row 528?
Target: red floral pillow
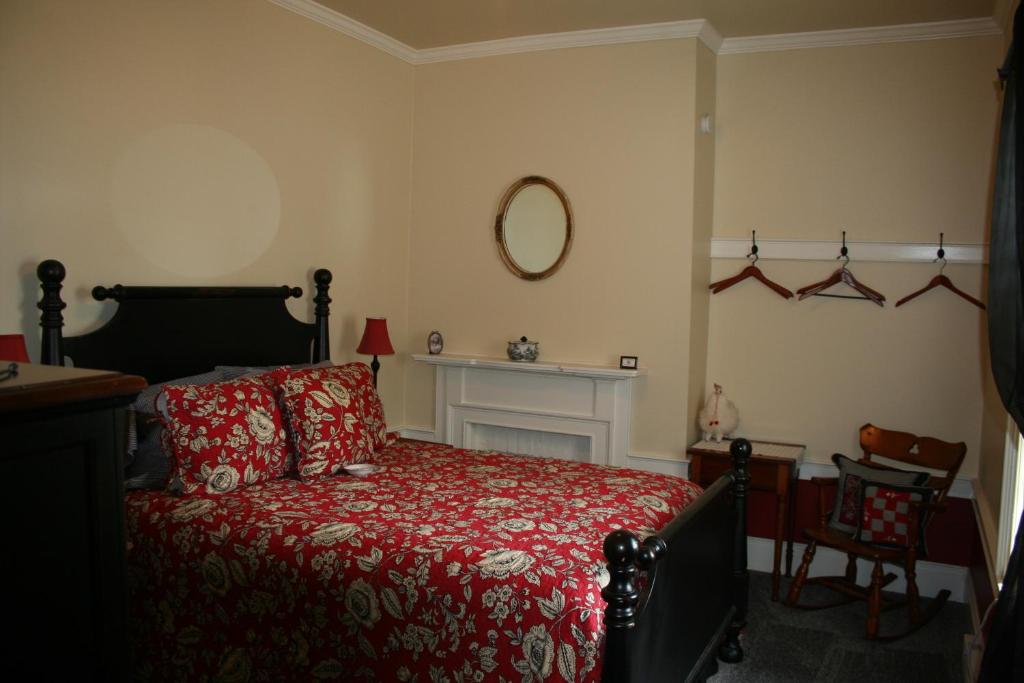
column 359, row 378
column 224, row 435
column 325, row 415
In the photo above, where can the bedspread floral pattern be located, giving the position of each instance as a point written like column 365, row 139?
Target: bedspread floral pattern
column 224, row 435
column 446, row 565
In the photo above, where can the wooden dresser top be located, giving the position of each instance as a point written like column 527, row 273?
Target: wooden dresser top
column 43, row 386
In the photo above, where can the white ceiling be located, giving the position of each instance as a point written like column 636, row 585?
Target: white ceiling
column 424, row 24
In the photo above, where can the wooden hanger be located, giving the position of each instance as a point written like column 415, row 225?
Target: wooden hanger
column 941, row 280
column 842, row 276
column 751, row 271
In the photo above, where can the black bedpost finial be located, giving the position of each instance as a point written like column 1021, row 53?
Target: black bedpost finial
column 731, row 651
column 321, row 345
column 51, row 274
column 651, row 550
column 101, row 293
column 621, row 549
column 740, row 450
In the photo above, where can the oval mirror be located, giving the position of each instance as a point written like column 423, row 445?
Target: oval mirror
column 534, row 228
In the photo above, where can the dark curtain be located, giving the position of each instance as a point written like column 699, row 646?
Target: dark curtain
column 1004, row 650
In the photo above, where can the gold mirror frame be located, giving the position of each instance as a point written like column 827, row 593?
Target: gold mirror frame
column 499, row 227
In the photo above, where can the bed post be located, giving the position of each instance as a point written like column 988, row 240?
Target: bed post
column 321, row 344
column 626, row 557
column 621, row 548
column 731, row 652
column 51, row 274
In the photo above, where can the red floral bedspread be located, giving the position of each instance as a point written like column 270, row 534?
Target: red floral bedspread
column 447, row 565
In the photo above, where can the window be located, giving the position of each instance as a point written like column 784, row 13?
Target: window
column 1012, row 498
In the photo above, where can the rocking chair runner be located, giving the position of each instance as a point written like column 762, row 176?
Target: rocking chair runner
column 904, row 448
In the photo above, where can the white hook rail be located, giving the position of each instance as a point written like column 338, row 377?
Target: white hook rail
column 825, row 250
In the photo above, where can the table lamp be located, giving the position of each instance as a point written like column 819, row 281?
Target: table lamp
column 12, row 347
column 375, row 342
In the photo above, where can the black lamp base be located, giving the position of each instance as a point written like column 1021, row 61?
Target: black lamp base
column 375, row 366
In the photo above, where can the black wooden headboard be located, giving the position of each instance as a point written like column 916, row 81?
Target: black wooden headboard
column 163, row 333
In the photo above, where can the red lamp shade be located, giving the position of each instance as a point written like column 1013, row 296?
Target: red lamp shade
column 375, row 340
column 12, row 347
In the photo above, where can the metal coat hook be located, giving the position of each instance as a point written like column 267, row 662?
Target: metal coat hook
column 844, row 253
column 941, row 254
column 753, row 246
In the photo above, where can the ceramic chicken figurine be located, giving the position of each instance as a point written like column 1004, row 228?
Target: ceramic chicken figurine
column 718, row 417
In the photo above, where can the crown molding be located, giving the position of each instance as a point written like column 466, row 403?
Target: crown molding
column 350, row 27
column 696, row 28
column 710, row 36
column 935, row 30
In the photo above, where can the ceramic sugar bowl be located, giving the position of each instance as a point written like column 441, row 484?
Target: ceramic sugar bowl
column 523, row 350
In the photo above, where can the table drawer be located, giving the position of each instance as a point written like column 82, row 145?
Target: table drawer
column 763, row 475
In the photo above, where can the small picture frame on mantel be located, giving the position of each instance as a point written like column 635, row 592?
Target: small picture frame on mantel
column 628, row 362
column 435, row 343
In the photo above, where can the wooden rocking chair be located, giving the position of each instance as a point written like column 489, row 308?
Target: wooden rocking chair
column 917, row 508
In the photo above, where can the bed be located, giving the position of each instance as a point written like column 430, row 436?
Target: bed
column 442, row 564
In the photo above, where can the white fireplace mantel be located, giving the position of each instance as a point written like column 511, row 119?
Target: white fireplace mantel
column 567, row 410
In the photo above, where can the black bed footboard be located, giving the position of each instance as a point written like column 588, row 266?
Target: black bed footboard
column 693, row 602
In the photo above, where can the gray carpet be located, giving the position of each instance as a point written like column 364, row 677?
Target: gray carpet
column 782, row 644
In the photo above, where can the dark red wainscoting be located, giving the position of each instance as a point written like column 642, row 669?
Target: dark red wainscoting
column 952, row 535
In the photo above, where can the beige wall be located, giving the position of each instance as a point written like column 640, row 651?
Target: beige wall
column 893, row 143
column 1002, row 12
column 703, row 223
column 614, row 126
column 317, row 159
column 202, row 142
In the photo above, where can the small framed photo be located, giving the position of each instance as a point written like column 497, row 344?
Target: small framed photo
column 435, row 343
column 628, row 362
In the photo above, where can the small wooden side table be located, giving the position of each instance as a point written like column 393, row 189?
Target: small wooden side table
column 774, row 467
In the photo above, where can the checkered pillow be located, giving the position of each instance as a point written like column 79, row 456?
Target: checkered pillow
column 885, row 514
column 845, row 516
